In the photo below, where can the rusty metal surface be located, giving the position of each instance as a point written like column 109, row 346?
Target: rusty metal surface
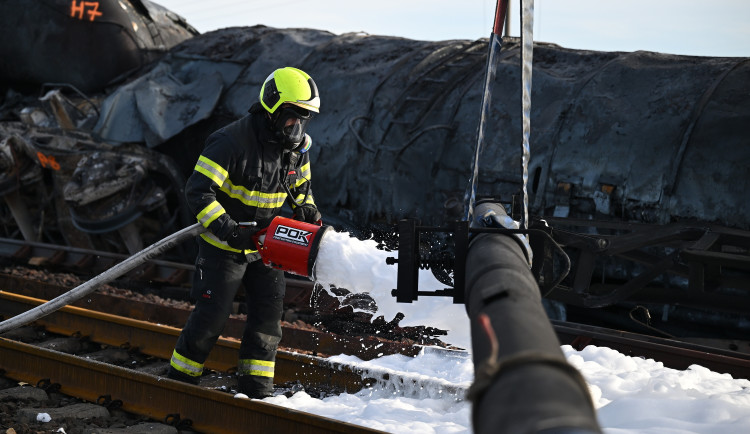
column 98, row 301
column 312, row 341
column 158, row 398
column 159, row 341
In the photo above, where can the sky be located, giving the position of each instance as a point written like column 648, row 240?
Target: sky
column 688, row 27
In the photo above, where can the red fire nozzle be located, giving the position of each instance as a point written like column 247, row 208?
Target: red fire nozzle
column 290, row 245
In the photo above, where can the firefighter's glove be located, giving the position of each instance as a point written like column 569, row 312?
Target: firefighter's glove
column 307, row 213
column 241, row 237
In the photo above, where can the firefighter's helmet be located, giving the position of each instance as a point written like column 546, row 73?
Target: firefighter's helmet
column 289, row 86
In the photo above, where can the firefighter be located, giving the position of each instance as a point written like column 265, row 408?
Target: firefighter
column 245, row 173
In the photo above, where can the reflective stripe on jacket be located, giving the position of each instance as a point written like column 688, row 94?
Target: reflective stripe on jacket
column 241, row 175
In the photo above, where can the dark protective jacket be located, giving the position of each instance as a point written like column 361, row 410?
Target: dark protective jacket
column 241, row 176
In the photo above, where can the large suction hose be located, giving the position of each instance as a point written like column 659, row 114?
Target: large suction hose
column 523, row 382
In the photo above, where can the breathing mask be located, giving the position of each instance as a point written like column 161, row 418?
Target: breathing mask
column 290, row 124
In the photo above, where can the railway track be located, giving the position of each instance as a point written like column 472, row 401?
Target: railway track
column 156, row 397
column 153, row 396
column 149, row 330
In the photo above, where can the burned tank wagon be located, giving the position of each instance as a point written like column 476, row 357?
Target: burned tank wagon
column 637, row 136
column 640, row 157
column 85, row 44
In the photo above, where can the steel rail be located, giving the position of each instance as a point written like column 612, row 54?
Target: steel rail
column 151, row 252
column 91, row 261
column 159, row 341
column 310, row 341
column 160, row 398
column 673, row 353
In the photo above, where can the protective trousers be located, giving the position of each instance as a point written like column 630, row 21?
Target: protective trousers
column 218, row 275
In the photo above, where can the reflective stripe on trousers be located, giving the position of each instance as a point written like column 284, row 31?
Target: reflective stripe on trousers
column 185, row 365
column 261, row 368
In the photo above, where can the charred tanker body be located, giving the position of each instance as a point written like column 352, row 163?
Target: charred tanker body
column 86, row 44
column 624, row 136
column 61, row 184
column 638, row 162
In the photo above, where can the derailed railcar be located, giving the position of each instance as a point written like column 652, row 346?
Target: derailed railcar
column 638, row 160
column 59, row 57
column 641, row 136
column 86, row 44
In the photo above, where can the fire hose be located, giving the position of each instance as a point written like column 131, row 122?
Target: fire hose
column 90, row 286
column 286, row 244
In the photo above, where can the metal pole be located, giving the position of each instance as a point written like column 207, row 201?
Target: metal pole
column 495, row 44
column 527, row 52
column 507, row 20
column 150, row 252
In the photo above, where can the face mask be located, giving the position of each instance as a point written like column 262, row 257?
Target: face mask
column 290, row 125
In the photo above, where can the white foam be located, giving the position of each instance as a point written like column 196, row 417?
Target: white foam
column 344, row 261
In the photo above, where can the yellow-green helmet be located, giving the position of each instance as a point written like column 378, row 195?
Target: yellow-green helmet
column 289, row 85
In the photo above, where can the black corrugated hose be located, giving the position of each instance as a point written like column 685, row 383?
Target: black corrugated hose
column 523, row 382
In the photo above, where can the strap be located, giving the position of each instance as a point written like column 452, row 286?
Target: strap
column 291, row 162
